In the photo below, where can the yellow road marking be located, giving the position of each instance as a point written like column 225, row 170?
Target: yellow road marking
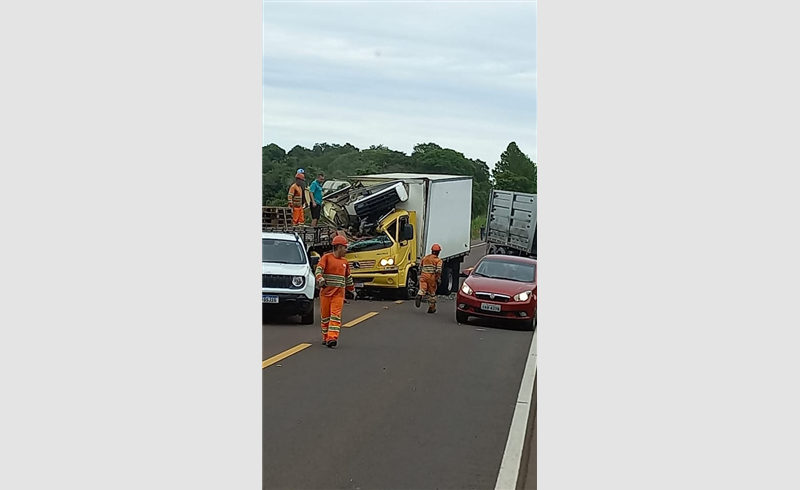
column 360, row 319
column 399, row 302
column 283, row 355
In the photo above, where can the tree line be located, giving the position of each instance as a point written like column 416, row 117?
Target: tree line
column 514, row 170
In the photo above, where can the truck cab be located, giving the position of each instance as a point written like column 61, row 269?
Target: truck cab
column 287, row 276
column 389, row 259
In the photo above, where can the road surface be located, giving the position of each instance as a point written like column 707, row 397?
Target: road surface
column 406, row 401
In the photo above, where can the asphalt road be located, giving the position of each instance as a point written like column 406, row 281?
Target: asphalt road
column 406, row 401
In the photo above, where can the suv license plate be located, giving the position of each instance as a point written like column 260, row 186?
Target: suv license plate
column 269, row 299
column 490, row 307
column 359, row 285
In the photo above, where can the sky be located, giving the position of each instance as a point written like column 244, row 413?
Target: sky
column 458, row 74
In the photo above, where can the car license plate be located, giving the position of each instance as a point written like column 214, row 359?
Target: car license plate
column 490, row 307
column 269, row 299
column 359, row 285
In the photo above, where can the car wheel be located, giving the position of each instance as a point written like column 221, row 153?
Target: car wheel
column 461, row 317
column 529, row 324
column 308, row 318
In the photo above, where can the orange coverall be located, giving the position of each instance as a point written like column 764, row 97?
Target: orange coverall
column 429, row 279
column 296, row 203
column 336, row 273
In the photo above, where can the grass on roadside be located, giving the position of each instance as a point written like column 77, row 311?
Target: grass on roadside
column 475, row 229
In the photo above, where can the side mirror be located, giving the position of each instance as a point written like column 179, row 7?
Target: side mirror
column 407, row 232
column 467, row 272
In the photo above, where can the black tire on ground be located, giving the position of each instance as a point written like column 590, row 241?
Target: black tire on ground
column 529, row 324
column 412, row 286
column 461, row 317
column 308, row 318
column 456, row 276
column 447, row 281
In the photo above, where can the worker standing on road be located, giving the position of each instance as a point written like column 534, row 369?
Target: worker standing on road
column 296, row 198
column 316, row 198
column 333, row 278
column 430, row 278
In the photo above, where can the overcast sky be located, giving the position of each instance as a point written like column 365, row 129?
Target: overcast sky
column 459, row 74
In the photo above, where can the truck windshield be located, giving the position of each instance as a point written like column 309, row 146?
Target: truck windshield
column 500, row 269
column 281, row 252
column 376, row 243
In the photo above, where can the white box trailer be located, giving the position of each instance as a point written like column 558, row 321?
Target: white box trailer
column 443, row 204
column 511, row 223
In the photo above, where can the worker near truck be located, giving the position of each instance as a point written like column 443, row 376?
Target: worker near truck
column 333, row 277
column 316, row 198
column 297, row 198
column 430, row 278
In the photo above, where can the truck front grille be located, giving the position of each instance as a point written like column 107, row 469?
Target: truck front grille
column 358, row 265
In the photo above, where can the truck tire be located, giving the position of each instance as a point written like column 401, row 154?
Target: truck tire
column 308, row 318
column 446, row 286
column 456, row 275
column 412, row 285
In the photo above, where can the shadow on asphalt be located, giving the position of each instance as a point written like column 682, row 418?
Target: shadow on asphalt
column 496, row 323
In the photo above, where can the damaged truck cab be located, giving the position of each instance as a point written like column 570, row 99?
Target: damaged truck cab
column 388, row 260
column 397, row 218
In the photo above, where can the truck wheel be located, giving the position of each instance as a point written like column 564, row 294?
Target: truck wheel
column 456, row 275
column 447, row 280
column 308, row 318
column 412, row 286
column 461, row 317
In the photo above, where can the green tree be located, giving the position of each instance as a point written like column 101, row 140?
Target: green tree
column 515, row 171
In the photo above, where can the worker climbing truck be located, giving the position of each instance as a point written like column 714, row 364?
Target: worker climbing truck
column 394, row 219
column 511, row 224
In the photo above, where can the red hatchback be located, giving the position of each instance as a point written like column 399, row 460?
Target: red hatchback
column 499, row 286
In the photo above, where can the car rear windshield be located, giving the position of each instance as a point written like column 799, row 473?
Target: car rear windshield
column 502, row 269
column 281, row 252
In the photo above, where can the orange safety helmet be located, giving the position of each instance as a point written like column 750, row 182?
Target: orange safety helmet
column 436, row 248
column 300, row 176
column 339, row 240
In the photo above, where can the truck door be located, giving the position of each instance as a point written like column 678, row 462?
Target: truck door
column 405, row 240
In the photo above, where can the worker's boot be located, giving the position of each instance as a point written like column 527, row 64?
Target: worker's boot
column 418, row 300
column 431, row 309
column 332, row 343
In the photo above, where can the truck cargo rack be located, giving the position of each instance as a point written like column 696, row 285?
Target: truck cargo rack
column 313, row 237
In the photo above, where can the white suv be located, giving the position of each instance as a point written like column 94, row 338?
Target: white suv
column 287, row 281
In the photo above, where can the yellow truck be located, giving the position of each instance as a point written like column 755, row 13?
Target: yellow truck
column 394, row 219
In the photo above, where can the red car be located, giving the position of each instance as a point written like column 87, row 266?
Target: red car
column 499, row 286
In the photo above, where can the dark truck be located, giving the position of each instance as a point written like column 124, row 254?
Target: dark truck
column 511, row 224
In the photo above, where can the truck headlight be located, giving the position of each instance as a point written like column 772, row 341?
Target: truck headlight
column 385, row 262
column 466, row 289
column 523, row 296
column 298, row 281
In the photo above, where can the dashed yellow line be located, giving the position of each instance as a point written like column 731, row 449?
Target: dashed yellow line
column 283, row 355
column 360, row 319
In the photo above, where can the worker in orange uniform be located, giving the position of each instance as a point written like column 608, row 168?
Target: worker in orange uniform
column 333, row 278
column 296, row 198
column 430, row 278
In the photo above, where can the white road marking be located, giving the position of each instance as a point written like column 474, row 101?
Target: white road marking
column 478, row 245
column 512, row 457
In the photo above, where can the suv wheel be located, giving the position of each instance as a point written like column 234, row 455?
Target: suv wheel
column 308, row 318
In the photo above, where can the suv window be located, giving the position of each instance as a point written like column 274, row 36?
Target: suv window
column 282, row 252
